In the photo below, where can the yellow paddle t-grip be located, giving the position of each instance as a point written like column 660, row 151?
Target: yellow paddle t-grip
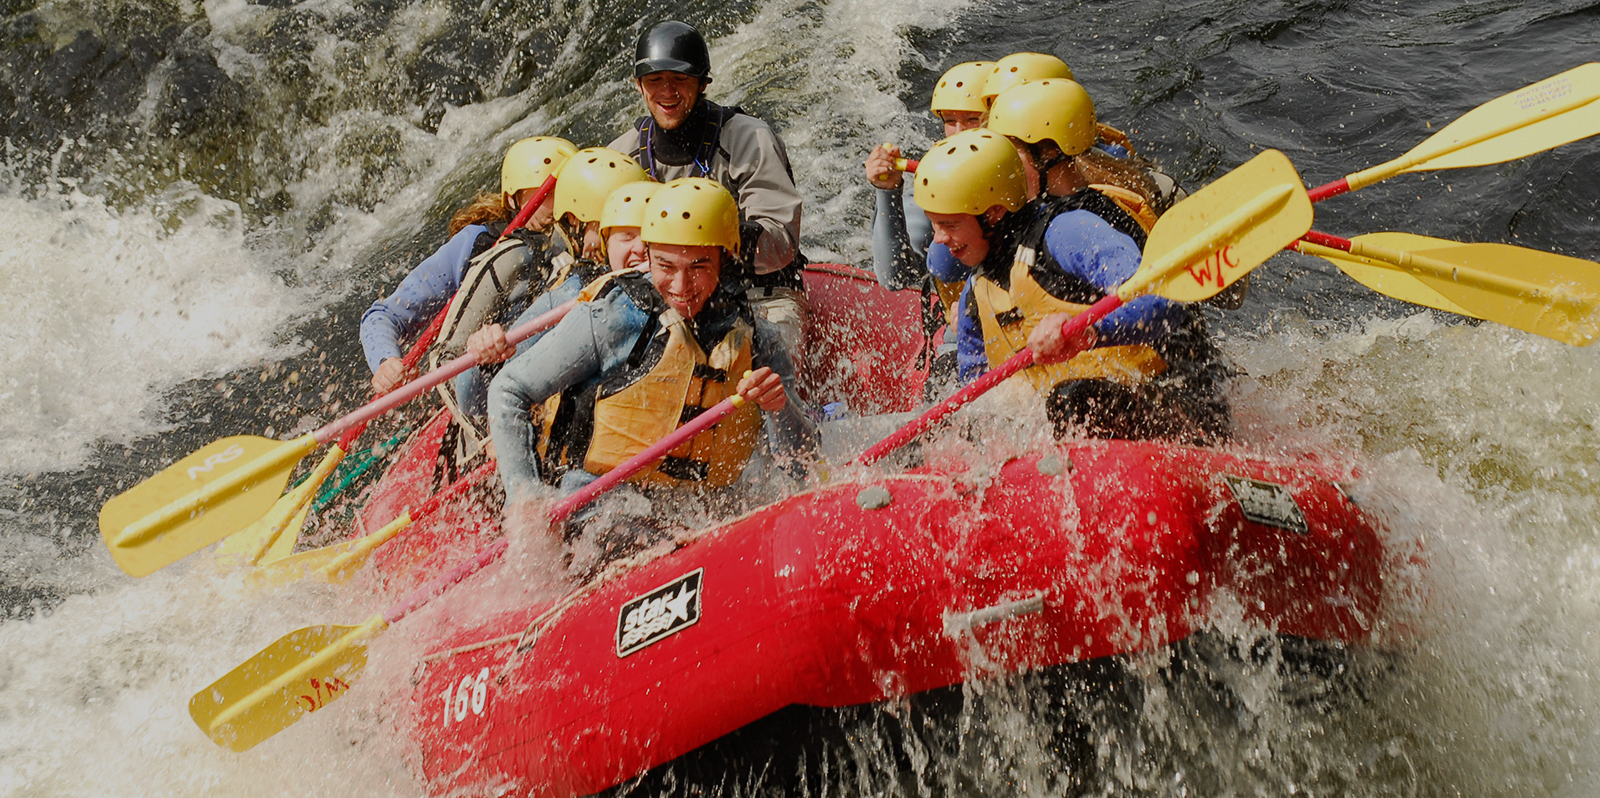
column 738, row 399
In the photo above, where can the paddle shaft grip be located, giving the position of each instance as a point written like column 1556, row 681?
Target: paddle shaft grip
column 1329, row 190
column 906, row 164
column 980, row 386
column 415, row 388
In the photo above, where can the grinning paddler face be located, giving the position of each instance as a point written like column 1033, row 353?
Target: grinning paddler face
column 625, row 249
column 962, row 234
column 685, row 275
column 670, row 96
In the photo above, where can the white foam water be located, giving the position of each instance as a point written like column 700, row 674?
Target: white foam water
column 1477, row 444
column 108, row 308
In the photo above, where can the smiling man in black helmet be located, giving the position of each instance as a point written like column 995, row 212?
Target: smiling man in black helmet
column 686, row 135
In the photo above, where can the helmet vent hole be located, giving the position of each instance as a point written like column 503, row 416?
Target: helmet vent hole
column 686, row 214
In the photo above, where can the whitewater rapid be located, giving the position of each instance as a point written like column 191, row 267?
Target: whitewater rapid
column 138, row 295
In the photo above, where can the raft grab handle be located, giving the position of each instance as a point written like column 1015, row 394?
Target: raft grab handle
column 957, row 623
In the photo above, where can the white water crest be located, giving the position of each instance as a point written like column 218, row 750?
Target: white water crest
column 107, row 308
column 94, row 696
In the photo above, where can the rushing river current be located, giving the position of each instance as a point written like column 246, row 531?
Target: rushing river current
column 198, row 200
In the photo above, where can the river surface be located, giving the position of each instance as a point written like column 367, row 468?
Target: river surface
column 200, row 198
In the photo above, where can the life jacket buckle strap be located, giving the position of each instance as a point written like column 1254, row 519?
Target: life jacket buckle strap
column 706, row 372
column 685, row 469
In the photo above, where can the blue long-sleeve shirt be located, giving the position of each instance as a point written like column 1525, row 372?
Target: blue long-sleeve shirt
column 422, row 294
column 1088, row 247
column 595, row 339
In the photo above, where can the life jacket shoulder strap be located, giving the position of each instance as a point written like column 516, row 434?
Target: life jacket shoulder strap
column 1043, row 267
column 1095, row 201
column 710, row 141
column 1131, row 202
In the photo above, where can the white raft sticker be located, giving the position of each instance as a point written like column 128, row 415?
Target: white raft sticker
column 1266, row 503
column 659, row 614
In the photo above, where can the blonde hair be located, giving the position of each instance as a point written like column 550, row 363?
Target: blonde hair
column 482, row 209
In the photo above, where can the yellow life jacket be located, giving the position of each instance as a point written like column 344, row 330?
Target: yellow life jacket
column 950, row 295
column 544, row 416
column 609, row 421
column 683, row 382
column 1008, row 316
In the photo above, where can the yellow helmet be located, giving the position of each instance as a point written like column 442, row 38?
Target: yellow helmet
column 692, row 211
column 1021, row 68
column 625, row 206
column 589, row 177
column 960, row 88
column 971, row 172
column 530, row 162
column 1046, row 110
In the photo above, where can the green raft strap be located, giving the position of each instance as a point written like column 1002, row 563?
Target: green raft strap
column 354, row 467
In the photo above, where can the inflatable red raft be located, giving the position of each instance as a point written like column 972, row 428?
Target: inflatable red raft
column 866, row 592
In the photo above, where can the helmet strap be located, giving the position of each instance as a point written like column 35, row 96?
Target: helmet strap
column 1044, row 163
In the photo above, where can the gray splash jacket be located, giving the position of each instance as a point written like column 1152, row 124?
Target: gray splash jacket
column 746, row 157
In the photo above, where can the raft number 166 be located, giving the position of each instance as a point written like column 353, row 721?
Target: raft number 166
column 470, row 694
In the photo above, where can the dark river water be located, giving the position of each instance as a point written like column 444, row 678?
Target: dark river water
column 200, row 199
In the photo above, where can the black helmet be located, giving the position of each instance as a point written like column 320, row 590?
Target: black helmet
column 672, row 46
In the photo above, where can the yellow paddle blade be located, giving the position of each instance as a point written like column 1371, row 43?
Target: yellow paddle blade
column 197, row 501
column 264, row 540
column 333, row 564
column 1219, row 233
column 1543, row 293
column 1383, row 277
column 284, row 544
column 301, row 673
column 1547, row 114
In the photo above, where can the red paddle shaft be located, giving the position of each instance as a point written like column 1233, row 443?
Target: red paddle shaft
column 1014, row 364
column 417, row 387
column 565, row 507
column 420, row 347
